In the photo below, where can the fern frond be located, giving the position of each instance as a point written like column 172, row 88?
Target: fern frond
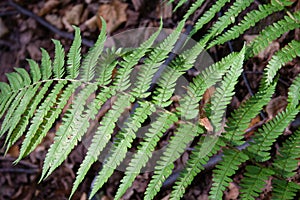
column 46, row 65
column 15, row 81
column 222, row 97
column 20, row 110
column 208, row 15
column 74, row 55
column 192, row 8
column 195, row 164
column 34, row 70
column 25, row 76
column 163, row 168
column 152, row 63
column 272, row 32
column 105, row 67
column 281, row 57
column 59, row 150
column 59, row 60
column 283, row 189
column 83, row 123
column 189, row 106
column 263, row 141
column 240, row 119
column 122, row 78
column 227, row 19
column 122, row 143
column 89, row 62
column 166, row 84
column 294, row 90
column 286, row 161
column 5, row 95
column 10, row 113
column 226, row 168
column 254, row 181
column 38, row 119
column 250, row 20
column 22, row 124
column 145, row 149
column 102, row 135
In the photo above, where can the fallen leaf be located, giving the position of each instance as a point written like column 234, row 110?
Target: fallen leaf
column 48, row 6
column 14, row 151
column 164, row 10
column 275, row 106
column 233, row 192
column 114, row 14
column 137, row 4
column 72, row 17
column 54, row 20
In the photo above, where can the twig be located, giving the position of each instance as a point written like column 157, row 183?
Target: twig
column 19, row 170
column 47, row 24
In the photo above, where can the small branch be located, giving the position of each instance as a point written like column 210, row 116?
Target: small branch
column 47, row 24
column 19, row 170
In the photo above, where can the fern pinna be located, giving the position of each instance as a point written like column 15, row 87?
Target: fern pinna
column 75, row 88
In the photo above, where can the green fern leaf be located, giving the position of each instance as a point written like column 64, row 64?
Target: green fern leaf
column 145, row 149
column 22, row 125
column 224, row 93
column 270, row 33
column 46, row 65
column 83, row 123
column 227, row 19
column 20, row 110
column 294, row 90
column 286, row 161
column 163, row 168
column 189, row 107
column 254, row 181
column 34, row 70
column 123, row 142
column 74, row 55
column 192, row 8
column 226, row 168
column 59, row 150
column 38, row 119
column 195, row 164
column 15, row 81
column 122, row 78
column 90, row 61
column 102, row 136
column 59, row 60
column 263, row 141
column 240, row 119
column 250, row 19
column 25, row 76
column 284, row 190
column 208, row 15
column 281, row 57
column 152, row 63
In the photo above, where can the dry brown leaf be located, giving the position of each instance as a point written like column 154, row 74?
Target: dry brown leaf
column 233, row 192
column 114, row 14
column 206, row 123
column 48, row 6
column 72, row 17
column 14, row 151
column 275, row 106
column 54, row 20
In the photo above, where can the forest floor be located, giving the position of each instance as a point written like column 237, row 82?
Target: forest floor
column 22, row 36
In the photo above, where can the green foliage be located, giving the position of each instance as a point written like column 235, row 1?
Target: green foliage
column 75, row 90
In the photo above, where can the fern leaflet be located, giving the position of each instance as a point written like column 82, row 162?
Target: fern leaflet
column 254, row 181
column 74, row 55
column 226, row 168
